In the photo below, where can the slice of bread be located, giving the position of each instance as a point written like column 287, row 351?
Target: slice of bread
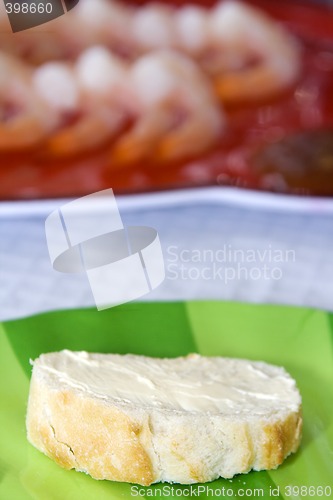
column 143, row 420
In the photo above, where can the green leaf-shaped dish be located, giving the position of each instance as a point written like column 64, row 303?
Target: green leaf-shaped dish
column 299, row 339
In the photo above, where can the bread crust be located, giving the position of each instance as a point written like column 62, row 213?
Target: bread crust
column 87, row 435
column 127, row 443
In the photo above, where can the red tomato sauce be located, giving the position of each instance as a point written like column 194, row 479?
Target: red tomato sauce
column 239, row 157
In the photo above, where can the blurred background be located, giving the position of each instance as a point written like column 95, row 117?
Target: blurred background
column 222, row 143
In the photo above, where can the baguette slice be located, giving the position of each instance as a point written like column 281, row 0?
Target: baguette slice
column 143, row 420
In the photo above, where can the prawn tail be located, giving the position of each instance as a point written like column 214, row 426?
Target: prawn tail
column 129, row 150
column 89, row 133
column 195, row 137
column 21, row 135
column 253, row 85
column 140, row 142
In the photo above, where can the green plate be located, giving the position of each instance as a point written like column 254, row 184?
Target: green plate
column 299, row 339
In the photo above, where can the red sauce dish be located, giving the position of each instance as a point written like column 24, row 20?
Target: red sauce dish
column 281, row 145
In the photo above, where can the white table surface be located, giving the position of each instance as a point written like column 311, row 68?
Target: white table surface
column 192, row 225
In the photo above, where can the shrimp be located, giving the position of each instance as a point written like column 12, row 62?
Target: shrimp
column 84, row 90
column 248, row 54
column 152, row 27
column 177, row 113
column 24, row 119
column 262, row 59
column 164, row 95
column 107, row 20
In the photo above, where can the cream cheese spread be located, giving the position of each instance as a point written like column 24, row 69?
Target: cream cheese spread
column 193, row 383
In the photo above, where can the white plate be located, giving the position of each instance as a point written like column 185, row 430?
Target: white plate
column 254, row 200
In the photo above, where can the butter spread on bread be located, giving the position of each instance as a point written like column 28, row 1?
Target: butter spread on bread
column 144, row 420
